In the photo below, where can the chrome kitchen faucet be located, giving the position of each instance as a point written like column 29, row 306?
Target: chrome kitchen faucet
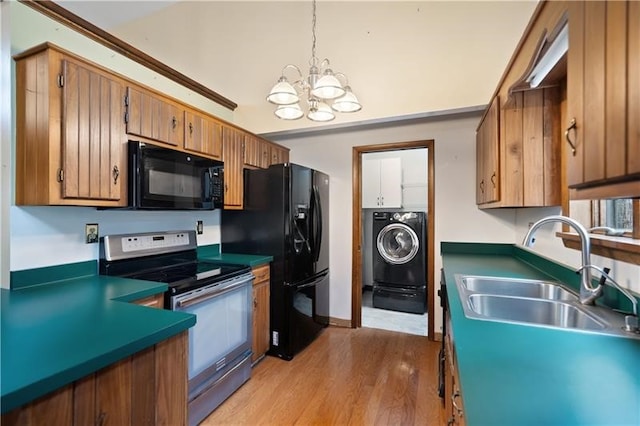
column 588, row 294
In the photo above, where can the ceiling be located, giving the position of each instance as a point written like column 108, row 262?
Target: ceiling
column 402, row 58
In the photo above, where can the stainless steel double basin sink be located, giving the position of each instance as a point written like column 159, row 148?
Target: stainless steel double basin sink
column 534, row 302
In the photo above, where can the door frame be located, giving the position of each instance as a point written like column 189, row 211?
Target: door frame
column 356, row 247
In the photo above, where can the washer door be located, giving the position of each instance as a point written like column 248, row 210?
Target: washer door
column 397, row 243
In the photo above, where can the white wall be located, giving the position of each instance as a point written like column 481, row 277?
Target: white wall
column 5, row 142
column 456, row 216
column 45, row 236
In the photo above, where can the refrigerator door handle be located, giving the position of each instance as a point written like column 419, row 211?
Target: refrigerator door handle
column 309, row 282
column 317, row 223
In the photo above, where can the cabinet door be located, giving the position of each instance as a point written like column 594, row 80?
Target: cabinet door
column 391, row 183
column 260, row 312
column 633, row 88
column 602, row 98
column 491, row 152
column 113, row 393
column 279, row 155
column 152, row 117
column 370, row 183
column 92, row 128
column 202, row 134
column 257, row 153
column 232, row 155
column 487, row 156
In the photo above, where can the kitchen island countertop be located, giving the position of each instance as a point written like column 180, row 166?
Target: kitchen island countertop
column 56, row 333
column 514, row 374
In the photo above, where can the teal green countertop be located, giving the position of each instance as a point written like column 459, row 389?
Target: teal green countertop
column 213, row 253
column 53, row 334
column 524, row 375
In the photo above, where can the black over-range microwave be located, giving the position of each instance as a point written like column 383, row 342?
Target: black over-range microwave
column 166, row 179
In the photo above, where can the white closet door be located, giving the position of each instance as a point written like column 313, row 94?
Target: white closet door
column 370, row 183
column 391, row 183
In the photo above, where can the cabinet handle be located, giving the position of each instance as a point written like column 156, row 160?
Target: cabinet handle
column 190, row 128
column 572, row 126
column 255, row 302
column 101, row 418
column 453, row 401
column 116, row 174
column 482, row 186
column 493, row 179
column 174, row 122
column 382, row 201
column 226, row 187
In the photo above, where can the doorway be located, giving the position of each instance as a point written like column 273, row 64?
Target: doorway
column 358, row 220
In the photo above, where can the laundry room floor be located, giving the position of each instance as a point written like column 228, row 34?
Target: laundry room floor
column 391, row 320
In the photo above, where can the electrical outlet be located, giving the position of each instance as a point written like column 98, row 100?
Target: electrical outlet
column 199, row 227
column 91, row 234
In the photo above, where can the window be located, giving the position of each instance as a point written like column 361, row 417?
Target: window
column 613, row 217
column 614, row 227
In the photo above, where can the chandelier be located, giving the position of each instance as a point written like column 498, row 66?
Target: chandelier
column 321, row 87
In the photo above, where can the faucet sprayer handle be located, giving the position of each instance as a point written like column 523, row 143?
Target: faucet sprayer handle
column 603, row 277
column 604, row 272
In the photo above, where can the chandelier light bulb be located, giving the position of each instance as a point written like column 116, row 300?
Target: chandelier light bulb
column 289, row 112
column 328, row 87
column 347, row 103
column 320, row 111
column 283, row 93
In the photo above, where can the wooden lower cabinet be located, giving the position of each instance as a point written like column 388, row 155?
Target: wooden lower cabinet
column 155, row 301
column 147, row 388
column 454, row 410
column 261, row 302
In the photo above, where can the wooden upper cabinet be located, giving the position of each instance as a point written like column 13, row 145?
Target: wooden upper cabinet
column 232, row 156
column 92, row 122
column 279, row 154
column 487, row 156
column 202, row 134
column 154, row 117
column 603, row 91
column 70, row 144
column 531, row 149
column 518, row 141
column 257, row 153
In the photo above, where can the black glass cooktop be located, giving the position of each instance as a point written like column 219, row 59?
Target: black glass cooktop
column 182, row 271
column 185, row 277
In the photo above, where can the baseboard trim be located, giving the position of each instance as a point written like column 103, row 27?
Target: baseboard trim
column 339, row 322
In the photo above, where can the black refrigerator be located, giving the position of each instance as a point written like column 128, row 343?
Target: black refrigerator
column 286, row 215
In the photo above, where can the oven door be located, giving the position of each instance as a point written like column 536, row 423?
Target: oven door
column 222, row 334
column 163, row 178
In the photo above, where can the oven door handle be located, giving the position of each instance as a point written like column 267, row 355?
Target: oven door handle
column 211, row 294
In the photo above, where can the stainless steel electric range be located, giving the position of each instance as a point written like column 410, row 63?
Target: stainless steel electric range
column 219, row 294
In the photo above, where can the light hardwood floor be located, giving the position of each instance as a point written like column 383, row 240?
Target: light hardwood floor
column 346, row 376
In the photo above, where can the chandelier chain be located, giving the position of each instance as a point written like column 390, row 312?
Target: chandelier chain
column 313, row 35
